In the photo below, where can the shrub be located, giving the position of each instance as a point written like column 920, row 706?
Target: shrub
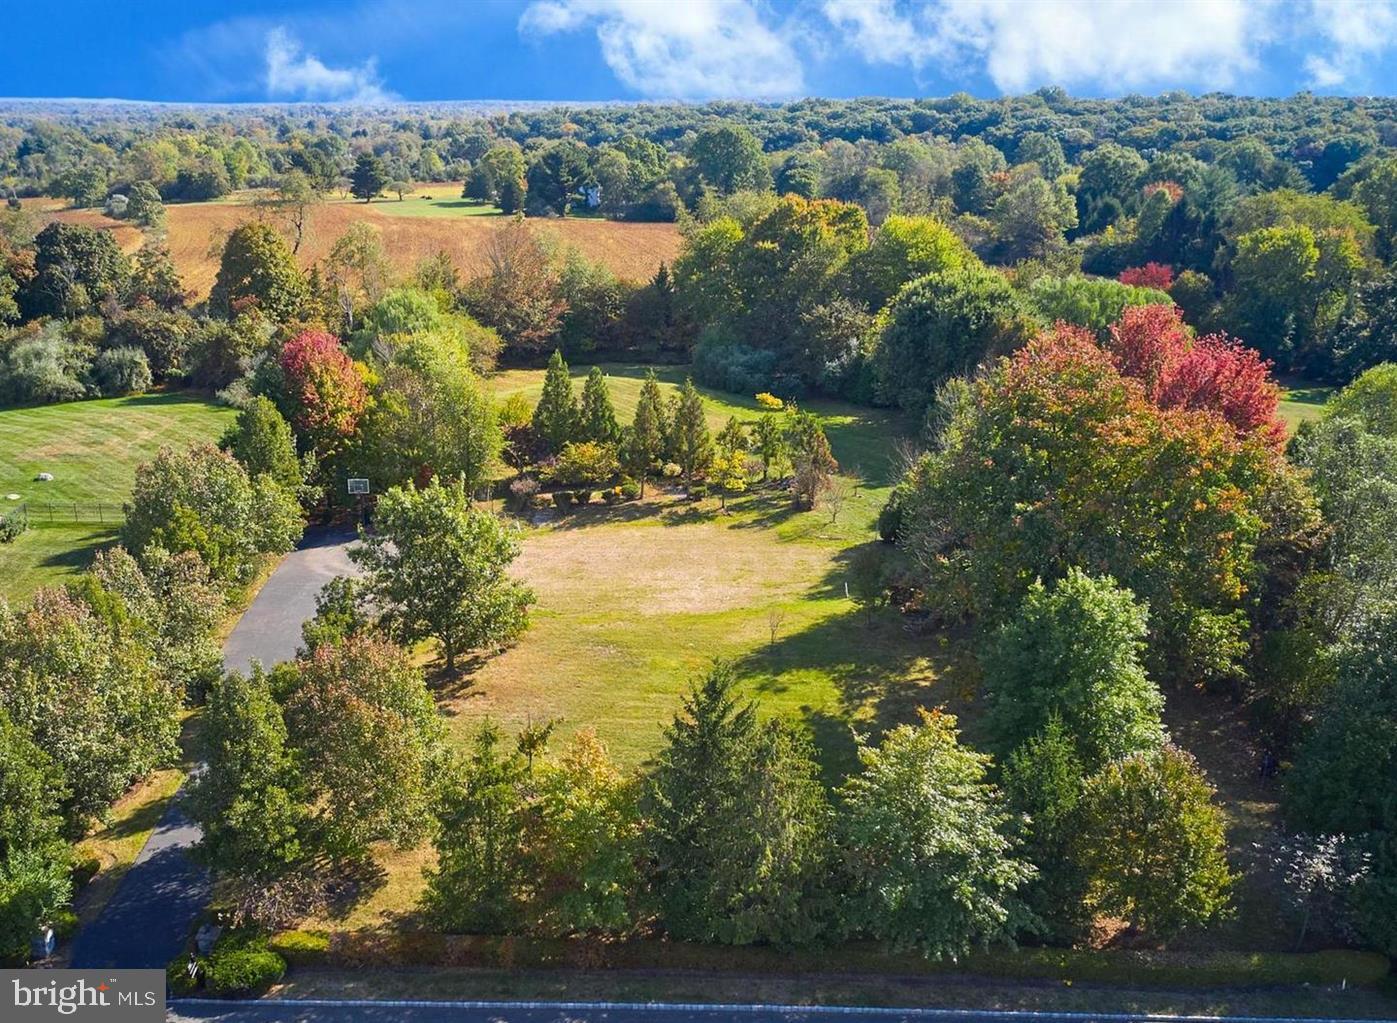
column 698, row 491
column 583, row 496
column 64, row 923
column 84, row 871
column 120, row 371
column 731, row 366
column 583, row 462
column 10, row 528
column 541, row 501
column 562, row 500
column 630, row 491
column 671, row 470
column 522, row 491
column 300, row 948
column 611, row 495
column 242, row 971
column 177, row 978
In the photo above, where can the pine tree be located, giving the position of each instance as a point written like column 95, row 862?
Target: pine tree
column 370, row 177
column 740, row 824
column 555, row 417
column 646, row 441
column 597, row 419
column 693, row 445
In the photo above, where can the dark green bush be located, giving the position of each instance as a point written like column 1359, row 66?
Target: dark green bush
column 630, row 491
column 242, row 971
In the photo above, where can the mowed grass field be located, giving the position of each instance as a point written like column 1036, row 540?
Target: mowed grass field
column 92, row 448
column 636, row 599
column 1302, row 401
column 411, row 230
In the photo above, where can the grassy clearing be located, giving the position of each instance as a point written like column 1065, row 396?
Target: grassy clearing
column 1302, row 401
column 92, row 448
column 634, row 600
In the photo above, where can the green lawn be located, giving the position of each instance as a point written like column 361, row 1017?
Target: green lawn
column 634, row 600
column 92, row 449
column 435, row 204
column 1301, row 401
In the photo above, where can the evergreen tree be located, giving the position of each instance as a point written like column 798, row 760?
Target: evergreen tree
column 646, row 441
column 479, row 879
column 740, row 824
column 1043, row 780
column 597, row 418
column 555, row 417
column 690, row 440
column 369, row 177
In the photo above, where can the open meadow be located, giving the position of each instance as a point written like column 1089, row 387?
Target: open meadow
column 92, row 448
column 412, row 230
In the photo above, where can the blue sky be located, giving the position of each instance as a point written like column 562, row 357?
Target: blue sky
column 370, row 50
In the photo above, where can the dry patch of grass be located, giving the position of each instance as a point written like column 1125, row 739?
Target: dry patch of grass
column 634, row 601
column 195, row 233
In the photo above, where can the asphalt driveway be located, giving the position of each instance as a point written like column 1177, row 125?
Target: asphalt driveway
column 148, row 918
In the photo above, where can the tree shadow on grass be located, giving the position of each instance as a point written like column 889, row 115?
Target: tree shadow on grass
column 883, row 672
column 350, row 883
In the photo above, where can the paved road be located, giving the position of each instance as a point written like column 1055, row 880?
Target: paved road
column 270, row 630
column 290, row 1011
column 149, row 916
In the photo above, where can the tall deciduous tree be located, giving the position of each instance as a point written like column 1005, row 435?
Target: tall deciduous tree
column 323, row 392
column 926, row 845
column 729, row 158
column 1153, row 842
column 437, row 567
column 203, row 500
column 258, row 270
column 1072, row 652
column 261, row 440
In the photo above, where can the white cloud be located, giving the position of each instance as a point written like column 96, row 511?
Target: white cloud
column 697, row 49
column 293, row 73
column 1116, row 45
column 1356, row 31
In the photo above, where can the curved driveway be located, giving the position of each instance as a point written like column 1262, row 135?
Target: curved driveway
column 270, row 629
column 147, row 920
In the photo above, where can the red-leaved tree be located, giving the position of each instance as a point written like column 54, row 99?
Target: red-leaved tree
column 1151, row 275
column 1213, row 373
column 325, row 391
